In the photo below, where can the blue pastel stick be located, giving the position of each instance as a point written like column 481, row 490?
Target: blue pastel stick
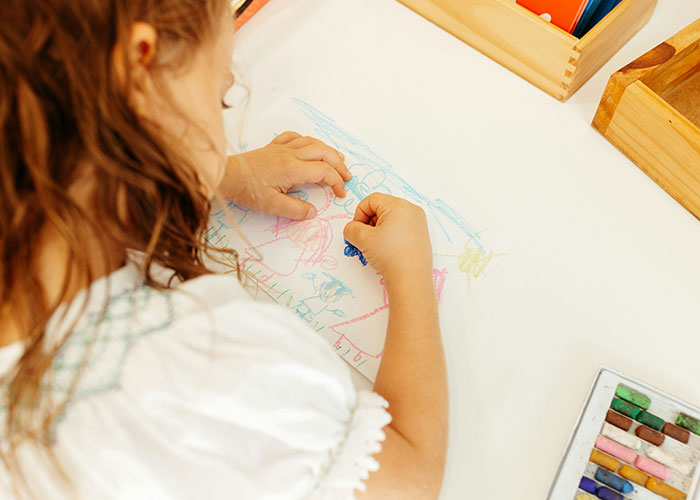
column 608, row 494
column 588, row 484
column 613, row 480
column 352, row 251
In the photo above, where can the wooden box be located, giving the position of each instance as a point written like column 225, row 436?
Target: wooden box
column 651, row 112
column 531, row 47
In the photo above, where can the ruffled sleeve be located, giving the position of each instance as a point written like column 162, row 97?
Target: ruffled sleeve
column 352, row 459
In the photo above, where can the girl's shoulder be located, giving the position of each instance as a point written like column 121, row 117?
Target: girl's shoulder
column 211, row 321
column 200, row 390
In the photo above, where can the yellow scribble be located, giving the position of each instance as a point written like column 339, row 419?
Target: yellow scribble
column 473, row 261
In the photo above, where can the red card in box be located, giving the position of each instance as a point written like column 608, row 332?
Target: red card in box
column 562, row 13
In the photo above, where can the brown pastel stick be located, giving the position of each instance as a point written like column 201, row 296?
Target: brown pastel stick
column 677, row 433
column 618, row 420
column 650, row 435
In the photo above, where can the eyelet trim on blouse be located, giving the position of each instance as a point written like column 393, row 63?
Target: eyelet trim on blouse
column 350, row 464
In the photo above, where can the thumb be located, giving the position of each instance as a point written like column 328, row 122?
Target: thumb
column 292, row 208
column 357, row 234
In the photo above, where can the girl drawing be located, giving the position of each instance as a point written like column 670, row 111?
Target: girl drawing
column 128, row 368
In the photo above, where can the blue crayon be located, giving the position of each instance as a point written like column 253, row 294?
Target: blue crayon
column 608, row 494
column 614, row 481
column 352, row 251
column 588, row 485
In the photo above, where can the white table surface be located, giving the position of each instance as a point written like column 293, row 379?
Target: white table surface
column 604, row 266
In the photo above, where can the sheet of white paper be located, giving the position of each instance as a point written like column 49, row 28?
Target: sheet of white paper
column 303, row 264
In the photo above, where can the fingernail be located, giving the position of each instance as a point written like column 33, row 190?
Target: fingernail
column 311, row 213
column 341, row 155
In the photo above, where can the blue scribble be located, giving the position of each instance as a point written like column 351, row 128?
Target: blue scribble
column 381, row 176
column 352, row 251
column 299, row 194
column 329, row 291
column 219, row 219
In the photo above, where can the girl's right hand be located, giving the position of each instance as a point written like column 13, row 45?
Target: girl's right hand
column 392, row 234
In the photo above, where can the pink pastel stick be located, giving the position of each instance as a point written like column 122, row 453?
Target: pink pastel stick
column 651, row 467
column 615, row 449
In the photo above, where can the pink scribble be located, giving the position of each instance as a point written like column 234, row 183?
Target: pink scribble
column 310, row 240
column 363, row 318
column 439, row 277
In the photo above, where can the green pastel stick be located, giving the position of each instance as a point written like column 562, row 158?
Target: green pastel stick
column 693, row 425
column 634, row 397
column 646, row 418
column 625, row 408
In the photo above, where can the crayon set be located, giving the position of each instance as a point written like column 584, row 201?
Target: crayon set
column 632, row 442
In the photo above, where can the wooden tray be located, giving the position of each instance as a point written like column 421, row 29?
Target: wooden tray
column 538, row 51
column 651, row 112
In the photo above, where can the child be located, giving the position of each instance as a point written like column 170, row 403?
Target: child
column 131, row 371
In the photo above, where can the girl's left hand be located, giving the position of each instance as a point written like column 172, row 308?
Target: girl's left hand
column 260, row 179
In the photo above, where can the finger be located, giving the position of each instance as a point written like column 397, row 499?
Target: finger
column 292, row 208
column 317, row 151
column 286, row 137
column 369, row 209
column 301, row 142
column 306, row 142
column 357, row 234
column 320, row 171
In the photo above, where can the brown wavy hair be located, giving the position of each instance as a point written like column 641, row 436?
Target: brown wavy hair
column 62, row 105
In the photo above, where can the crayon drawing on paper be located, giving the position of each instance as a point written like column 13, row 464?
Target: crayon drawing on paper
column 302, row 265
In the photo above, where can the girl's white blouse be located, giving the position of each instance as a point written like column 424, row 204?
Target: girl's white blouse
column 199, row 392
